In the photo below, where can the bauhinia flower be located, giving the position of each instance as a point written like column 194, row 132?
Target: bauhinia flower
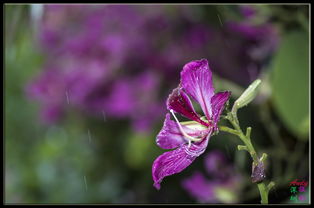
column 189, row 139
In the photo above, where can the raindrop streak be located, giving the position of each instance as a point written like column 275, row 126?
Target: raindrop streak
column 67, row 95
column 225, row 40
column 219, row 19
column 89, row 136
column 85, row 183
column 103, row 114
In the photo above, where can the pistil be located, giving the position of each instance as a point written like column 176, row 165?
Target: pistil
column 188, row 137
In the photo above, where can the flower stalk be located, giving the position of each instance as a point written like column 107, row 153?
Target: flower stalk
column 258, row 170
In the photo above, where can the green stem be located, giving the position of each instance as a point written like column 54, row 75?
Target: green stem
column 251, row 150
column 263, row 192
column 246, row 139
column 229, row 130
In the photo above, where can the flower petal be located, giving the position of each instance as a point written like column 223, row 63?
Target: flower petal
column 217, row 102
column 196, row 79
column 181, row 103
column 171, row 137
column 175, row 161
column 170, row 163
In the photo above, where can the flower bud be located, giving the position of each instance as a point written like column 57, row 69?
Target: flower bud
column 258, row 172
column 247, row 96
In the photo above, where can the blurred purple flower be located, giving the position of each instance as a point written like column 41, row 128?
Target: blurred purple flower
column 91, row 45
column 196, row 81
column 121, row 59
column 48, row 89
column 222, row 188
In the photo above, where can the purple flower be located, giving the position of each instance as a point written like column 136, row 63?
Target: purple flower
column 189, row 138
column 223, row 186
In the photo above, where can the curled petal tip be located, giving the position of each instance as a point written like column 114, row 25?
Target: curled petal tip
column 157, row 186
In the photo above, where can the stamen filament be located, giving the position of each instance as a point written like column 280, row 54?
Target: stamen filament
column 190, row 138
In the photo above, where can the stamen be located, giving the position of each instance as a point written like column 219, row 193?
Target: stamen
column 190, row 138
column 190, row 143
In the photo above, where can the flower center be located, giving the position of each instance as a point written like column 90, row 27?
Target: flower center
column 187, row 137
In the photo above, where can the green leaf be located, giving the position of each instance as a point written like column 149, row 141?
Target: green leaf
column 290, row 82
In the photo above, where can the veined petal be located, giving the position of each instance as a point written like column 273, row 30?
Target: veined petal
column 181, row 103
column 171, row 137
column 177, row 160
column 170, row 163
column 217, row 102
column 196, row 79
